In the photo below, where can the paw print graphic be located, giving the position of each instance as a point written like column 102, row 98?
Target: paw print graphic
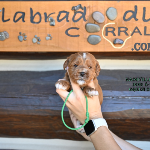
column 36, row 39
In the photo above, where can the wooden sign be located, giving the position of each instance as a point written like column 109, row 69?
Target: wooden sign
column 54, row 26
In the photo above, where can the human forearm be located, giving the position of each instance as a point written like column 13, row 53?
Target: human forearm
column 124, row 145
column 103, row 140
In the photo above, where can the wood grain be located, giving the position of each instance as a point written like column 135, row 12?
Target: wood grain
column 30, row 107
column 51, row 127
column 61, row 42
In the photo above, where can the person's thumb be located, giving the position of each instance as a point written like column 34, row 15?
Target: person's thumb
column 91, row 84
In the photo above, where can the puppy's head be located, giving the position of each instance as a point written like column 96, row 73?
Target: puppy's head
column 82, row 68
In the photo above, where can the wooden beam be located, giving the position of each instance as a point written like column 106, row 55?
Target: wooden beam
column 30, row 107
column 51, row 126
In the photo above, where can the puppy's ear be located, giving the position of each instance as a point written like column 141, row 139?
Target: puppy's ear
column 66, row 63
column 97, row 70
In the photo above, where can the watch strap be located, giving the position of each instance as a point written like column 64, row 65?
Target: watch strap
column 99, row 122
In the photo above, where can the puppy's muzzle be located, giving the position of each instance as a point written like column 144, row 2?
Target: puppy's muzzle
column 82, row 74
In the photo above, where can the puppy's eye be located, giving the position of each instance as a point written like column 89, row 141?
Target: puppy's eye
column 90, row 67
column 75, row 65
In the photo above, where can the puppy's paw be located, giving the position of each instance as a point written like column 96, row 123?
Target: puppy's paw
column 62, row 84
column 89, row 92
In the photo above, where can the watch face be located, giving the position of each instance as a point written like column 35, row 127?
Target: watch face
column 89, row 127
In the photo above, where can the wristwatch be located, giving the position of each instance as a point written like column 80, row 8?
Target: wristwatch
column 93, row 125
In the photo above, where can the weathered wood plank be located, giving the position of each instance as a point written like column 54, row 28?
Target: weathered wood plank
column 36, row 90
column 30, row 107
column 49, row 126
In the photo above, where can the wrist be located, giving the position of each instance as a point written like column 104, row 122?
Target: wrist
column 92, row 116
column 93, row 125
column 98, row 131
column 95, row 116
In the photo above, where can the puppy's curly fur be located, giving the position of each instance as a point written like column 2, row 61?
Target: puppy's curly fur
column 82, row 68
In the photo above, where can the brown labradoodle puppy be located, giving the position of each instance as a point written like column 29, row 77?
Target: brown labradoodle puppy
column 82, row 68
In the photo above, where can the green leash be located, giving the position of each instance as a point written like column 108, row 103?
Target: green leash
column 87, row 113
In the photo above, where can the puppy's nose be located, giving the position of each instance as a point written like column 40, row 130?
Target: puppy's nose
column 82, row 73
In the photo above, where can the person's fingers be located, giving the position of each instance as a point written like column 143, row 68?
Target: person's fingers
column 76, row 123
column 70, row 112
column 73, row 118
column 62, row 98
column 71, row 115
column 61, row 79
column 68, row 104
column 62, row 93
column 91, row 84
column 76, row 89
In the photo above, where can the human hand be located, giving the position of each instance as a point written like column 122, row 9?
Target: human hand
column 75, row 122
column 77, row 103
